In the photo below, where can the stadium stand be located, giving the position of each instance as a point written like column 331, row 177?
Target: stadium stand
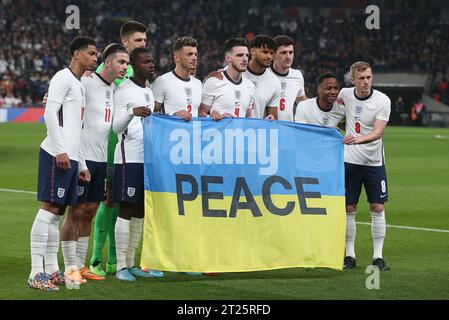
column 330, row 35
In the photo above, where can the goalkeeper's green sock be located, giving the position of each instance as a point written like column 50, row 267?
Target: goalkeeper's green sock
column 113, row 214
column 100, row 233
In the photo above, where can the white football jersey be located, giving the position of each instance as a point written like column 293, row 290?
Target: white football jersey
column 309, row 112
column 228, row 96
column 177, row 93
column 66, row 90
column 129, row 127
column 292, row 86
column 97, row 117
column 268, row 91
column 360, row 117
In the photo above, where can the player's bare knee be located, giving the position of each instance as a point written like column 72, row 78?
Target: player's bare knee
column 54, row 208
column 376, row 207
column 90, row 211
column 351, row 208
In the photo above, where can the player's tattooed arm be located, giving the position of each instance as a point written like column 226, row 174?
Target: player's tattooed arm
column 375, row 134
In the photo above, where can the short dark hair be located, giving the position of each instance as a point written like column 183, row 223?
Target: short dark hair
column 130, row 27
column 283, row 40
column 111, row 49
column 136, row 53
column 261, row 41
column 184, row 42
column 323, row 76
column 234, row 42
column 79, row 43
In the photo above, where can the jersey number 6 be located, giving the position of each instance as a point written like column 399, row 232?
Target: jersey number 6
column 282, row 104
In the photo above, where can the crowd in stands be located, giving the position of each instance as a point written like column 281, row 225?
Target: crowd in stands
column 33, row 37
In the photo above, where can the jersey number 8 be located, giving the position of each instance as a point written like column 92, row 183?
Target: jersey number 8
column 357, row 127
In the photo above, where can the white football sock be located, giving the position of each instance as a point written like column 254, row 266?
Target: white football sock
column 135, row 234
column 122, row 231
column 81, row 251
column 69, row 253
column 350, row 234
column 51, row 254
column 38, row 240
column 378, row 231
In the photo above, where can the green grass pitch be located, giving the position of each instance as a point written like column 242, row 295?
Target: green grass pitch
column 418, row 171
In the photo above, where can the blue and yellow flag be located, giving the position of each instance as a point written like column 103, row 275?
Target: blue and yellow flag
column 242, row 195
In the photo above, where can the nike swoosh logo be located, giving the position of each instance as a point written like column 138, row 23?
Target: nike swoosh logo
column 383, row 196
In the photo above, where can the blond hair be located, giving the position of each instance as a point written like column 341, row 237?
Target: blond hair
column 359, row 66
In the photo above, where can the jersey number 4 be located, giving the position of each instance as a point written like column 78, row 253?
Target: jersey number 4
column 107, row 115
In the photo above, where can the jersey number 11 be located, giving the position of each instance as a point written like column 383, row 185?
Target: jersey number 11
column 107, row 115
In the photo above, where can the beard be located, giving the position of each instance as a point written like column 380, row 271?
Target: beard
column 262, row 63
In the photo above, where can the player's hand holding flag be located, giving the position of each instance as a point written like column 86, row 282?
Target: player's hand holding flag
column 187, row 116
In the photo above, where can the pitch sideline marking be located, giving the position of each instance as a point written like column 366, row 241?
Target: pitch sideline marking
column 409, row 228
column 17, row 191
column 363, row 223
